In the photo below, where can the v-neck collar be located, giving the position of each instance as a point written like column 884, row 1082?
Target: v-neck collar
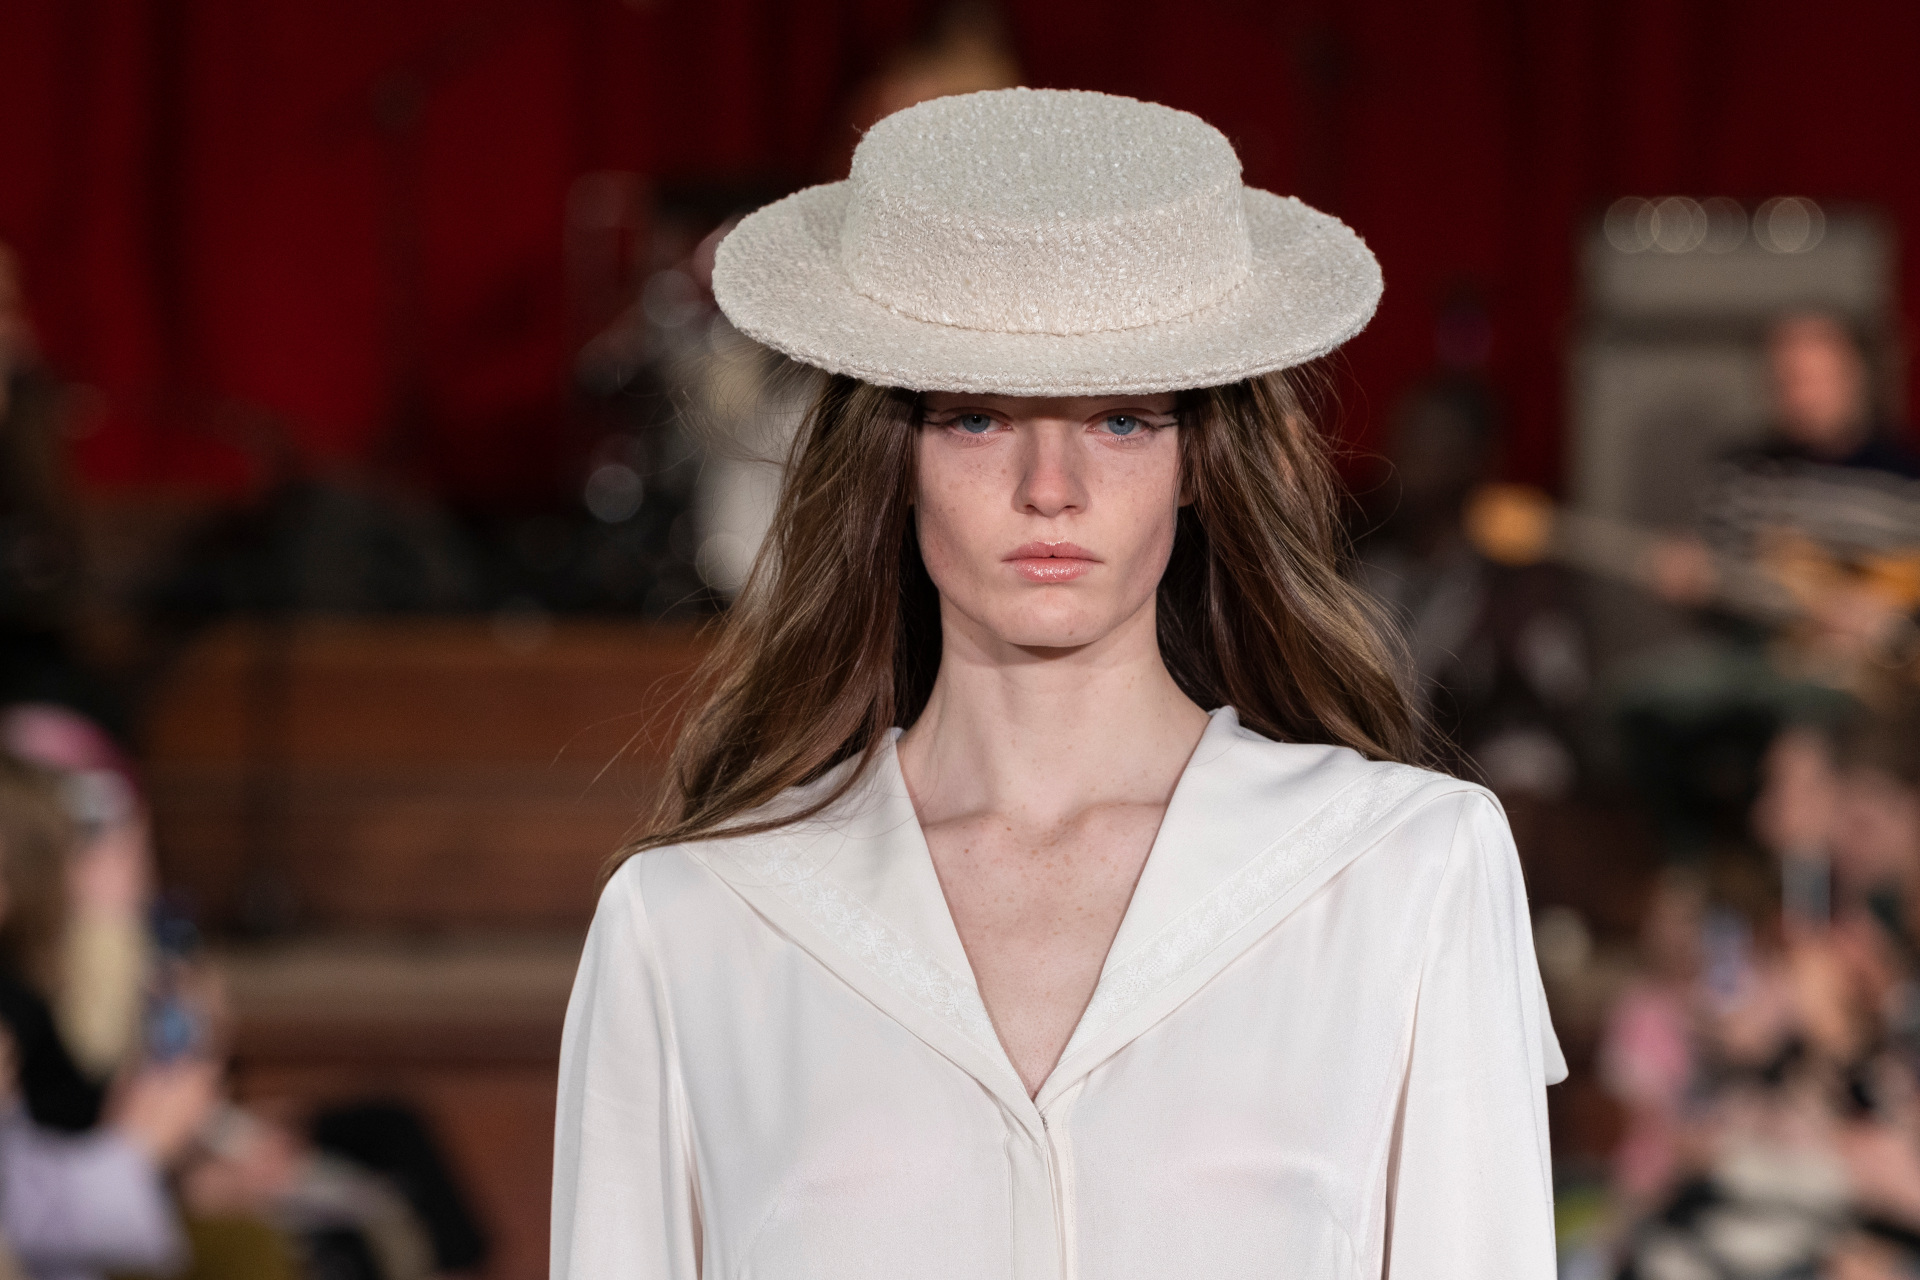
column 1253, row 827
column 856, row 888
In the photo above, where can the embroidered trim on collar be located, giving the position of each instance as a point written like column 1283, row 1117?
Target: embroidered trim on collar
column 1189, row 936
column 783, row 866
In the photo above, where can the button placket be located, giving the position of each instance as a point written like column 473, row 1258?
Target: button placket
column 1034, row 1227
column 1060, row 1168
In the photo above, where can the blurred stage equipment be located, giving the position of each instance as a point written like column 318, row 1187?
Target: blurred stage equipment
column 1785, row 584
column 1496, row 643
column 696, row 421
column 692, row 426
column 1669, row 372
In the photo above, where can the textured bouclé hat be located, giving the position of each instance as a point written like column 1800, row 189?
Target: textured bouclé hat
column 1040, row 242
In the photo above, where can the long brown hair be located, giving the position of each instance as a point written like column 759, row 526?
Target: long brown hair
column 836, row 636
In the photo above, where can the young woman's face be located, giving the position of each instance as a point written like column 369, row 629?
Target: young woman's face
column 1047, row 522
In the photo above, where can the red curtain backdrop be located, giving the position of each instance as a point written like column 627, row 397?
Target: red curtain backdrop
column 336, row 230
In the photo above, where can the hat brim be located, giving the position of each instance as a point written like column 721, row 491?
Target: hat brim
column 1313, row 285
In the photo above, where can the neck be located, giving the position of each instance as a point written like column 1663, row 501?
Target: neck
column 1047, row 734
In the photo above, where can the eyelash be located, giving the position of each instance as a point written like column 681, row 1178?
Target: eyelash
column 1145, row 428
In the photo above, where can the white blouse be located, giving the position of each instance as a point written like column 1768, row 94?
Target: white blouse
column 1318, row 1049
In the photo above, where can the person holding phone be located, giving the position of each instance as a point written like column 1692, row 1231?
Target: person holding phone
column 83, row 1165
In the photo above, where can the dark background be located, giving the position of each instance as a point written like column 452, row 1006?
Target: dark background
column 338, row 230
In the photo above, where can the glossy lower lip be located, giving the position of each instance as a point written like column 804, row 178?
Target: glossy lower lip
column 1050, row 570
column 1051, row 562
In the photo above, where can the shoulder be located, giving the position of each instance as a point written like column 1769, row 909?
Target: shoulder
column 1417, row 835
column 678, row 875
column 1384, row 793
column 1436, row 826
column 658, row 890
column 1396, row 828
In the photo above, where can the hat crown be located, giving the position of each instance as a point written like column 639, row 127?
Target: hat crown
column 1045, row 211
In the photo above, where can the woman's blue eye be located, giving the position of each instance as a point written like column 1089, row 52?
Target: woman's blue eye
column 973, row 423
column 1124, row 424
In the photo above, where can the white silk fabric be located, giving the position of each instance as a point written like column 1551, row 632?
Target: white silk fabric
column 1318, row 1049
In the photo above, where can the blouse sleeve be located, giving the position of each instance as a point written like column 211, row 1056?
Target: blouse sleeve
column 1471, row 1186
column 79, row 1202
column 624, row 1200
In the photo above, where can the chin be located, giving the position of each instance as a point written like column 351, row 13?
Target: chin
column 1050, row 628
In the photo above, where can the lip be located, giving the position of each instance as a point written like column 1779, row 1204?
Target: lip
column 1051, row 561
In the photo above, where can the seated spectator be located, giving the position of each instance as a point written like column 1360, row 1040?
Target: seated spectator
column 1798, row 575
column 82, row 1186
column 105, row 956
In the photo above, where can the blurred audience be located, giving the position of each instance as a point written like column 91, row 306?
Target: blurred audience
column 118, row 1149
column 1767, row 1055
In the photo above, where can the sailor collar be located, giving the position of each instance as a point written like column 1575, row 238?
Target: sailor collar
column 1253, row 829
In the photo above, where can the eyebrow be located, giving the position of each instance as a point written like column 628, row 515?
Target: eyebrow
column 997, row 404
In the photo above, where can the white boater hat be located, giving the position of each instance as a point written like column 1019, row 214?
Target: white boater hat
column 1038, row 242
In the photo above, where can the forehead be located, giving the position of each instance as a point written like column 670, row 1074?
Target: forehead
column 1048, row 406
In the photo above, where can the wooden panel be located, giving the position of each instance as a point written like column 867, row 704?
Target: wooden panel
column 491, row 998
column 414, row 774
column 421, row 691
column 404, row 784
column 399, row 848
column 494, row 1120
column 466, row 1030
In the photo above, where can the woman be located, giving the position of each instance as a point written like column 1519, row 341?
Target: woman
column 81, row 1192
column 1074, row 977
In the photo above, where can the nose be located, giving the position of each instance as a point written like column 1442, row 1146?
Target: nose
column 1052, row 477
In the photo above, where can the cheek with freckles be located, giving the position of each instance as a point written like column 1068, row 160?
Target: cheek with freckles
column 969, row 520
column 957, row 513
